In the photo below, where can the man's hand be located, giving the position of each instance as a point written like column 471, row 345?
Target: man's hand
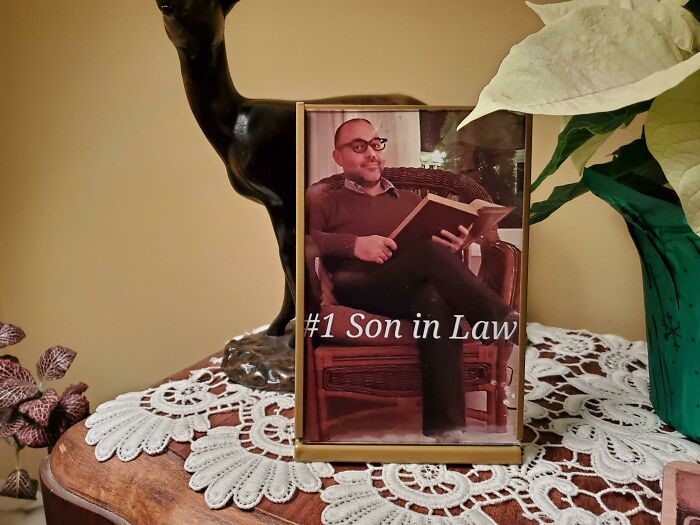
column 453, row 242
column 374, row 248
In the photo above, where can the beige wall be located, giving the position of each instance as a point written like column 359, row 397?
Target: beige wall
column 121, row 237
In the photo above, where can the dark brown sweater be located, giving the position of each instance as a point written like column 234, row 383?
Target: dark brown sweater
column 337, row 217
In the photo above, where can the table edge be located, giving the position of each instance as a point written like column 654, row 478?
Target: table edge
column 53, row 490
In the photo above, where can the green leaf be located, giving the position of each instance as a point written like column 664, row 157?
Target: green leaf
column 650, row 188
column 631, row 159
column 582, row 128
column 560, row 195
column 693, row 6
column 673, row 137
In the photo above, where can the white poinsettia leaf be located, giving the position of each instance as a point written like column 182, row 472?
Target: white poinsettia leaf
column 672, row 133
column 594, row 59
column 587, row 150
column 669, row 17
column 54, row 363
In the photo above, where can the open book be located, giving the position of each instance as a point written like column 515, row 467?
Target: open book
column 435, row 213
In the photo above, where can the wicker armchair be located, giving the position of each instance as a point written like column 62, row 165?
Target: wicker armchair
column 366, row 380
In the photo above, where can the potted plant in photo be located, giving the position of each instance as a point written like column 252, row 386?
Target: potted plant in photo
column 600, row 64
column 32, row 415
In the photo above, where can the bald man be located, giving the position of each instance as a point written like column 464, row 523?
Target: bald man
column 426, row 280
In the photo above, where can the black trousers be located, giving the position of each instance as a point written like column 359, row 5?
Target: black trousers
column 426, row 281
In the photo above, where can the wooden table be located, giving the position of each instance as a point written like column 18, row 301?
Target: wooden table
column 78, row 489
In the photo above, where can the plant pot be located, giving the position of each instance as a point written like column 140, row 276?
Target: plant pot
column 669, row 252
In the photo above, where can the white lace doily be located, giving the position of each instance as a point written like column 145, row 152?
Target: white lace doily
column 594, row 450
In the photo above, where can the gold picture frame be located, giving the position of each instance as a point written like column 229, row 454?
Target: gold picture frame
column 310, row 447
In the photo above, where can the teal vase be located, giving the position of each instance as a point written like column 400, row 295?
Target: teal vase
column 669, row 252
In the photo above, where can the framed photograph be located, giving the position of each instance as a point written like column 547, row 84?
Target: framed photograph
column 411, row 278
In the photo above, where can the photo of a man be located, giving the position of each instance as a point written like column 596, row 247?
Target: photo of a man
column 349, row 228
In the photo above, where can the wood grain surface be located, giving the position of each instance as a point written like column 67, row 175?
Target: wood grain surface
column 78, row 489
column 149, row 489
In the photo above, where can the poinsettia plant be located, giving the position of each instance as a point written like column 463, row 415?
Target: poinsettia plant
column 31, row 415
column 600, row 63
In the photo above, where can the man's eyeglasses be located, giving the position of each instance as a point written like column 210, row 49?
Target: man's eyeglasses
column 360, row 146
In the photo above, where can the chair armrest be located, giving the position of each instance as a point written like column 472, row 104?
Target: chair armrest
column 500, row 269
